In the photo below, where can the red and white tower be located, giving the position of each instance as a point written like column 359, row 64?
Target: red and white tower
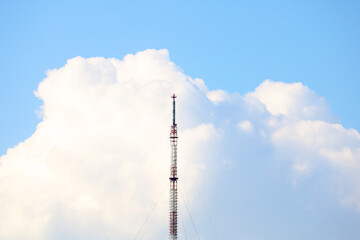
column 173, row 176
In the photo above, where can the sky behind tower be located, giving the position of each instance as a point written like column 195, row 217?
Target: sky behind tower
column 289, row 144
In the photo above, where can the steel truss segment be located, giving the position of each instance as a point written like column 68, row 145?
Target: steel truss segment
column 173, row 204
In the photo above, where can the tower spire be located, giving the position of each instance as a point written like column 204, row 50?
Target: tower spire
column 173, row 97
column 173, row 176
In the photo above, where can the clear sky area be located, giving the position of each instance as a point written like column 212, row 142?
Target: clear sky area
column 231, row 45
column 234, row 46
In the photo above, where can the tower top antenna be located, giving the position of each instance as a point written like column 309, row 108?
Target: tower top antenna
column 173, row 97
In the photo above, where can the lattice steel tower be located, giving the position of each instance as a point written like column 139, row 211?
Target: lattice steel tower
column 173, row 176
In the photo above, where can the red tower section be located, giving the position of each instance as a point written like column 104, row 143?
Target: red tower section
column 173, row 176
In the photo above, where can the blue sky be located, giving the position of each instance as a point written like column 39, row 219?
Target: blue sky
column 232, row 45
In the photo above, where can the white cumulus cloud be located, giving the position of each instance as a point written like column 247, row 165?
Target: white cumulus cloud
column 98, row 161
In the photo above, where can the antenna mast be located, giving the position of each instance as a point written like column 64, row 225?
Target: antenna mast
column 173, row 176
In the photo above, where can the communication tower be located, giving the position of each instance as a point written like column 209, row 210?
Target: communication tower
column 173, row 176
